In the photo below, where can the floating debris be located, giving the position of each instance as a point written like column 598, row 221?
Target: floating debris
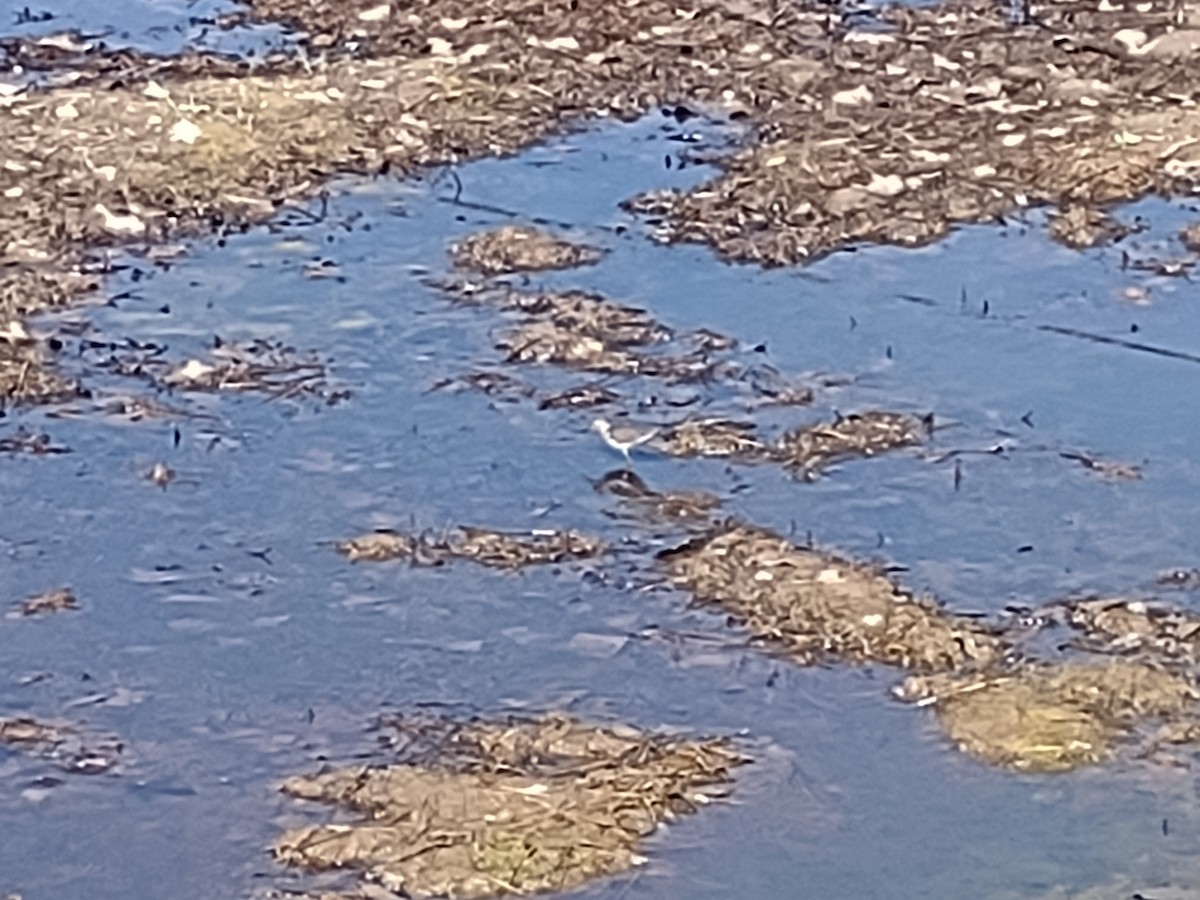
column 49, row 602
column 913, row 140
column 62, row 745
column 1122, row 626
column 712, row 437
column 513, row 248
column 510, row 808
column 132, row 408
column 861, row 133
column 25, row 376
column 1085, row 226
column 771, row 388
column 647, row 504
column 810, row 448
column 269, row 367
column 31, row 443
column 578, row 330
column 591, row 315
column 1179, row 578
column 1119, row 471
column 161, row 475
column 502, row 550
column 817, row 606
column 1052, row 718
column 587, row 396
column 548, row 343
column 378, row 546
column 1190, row 237
column 494, row 384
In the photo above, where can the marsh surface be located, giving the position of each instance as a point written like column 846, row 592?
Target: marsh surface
column 222, row 640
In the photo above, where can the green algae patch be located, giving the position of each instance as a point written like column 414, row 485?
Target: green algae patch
column 818, row 607
column 513, row 248
column 500, row 550
column 508, row 808
column 1053, row 718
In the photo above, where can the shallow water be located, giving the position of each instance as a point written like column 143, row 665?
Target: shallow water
column 227, row 644
column 154, row 26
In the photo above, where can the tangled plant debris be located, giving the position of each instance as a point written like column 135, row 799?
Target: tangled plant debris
column 577, row 330
column 712, row 437
column 501, row 550
column 810, row 448
column 862, row 133
column 815, row 605
column 642, row 502
column 63, row 745
column 265, row 366
column 1121, row 626
column 506, row 808
column 514, row 248
column 48, row 602
column 1105, row 468
column 1050, row 718
column 992, row 701
column 256, row 366
column 31, row 443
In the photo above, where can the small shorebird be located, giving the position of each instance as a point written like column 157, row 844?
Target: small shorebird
column 624, row 437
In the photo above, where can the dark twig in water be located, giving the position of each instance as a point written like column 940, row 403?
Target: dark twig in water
column 1120, row 342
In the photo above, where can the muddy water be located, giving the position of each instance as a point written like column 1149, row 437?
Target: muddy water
column 227, row 644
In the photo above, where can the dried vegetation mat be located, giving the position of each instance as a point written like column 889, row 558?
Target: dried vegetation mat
column 816, row 606
column 501, row 550
column 1049, row 718
column 1134, row 690
column 888, row 132
column 515, row 248
column 806, row 449
column 589, row 332
column 506, row 808
column 949, row 114
column 891, row 131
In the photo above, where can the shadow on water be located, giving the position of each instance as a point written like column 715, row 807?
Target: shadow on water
column 228, row 645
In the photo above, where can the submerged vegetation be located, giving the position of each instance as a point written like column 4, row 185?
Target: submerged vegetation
column 506, row 807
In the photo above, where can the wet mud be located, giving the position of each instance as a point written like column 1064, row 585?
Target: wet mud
column 506, row 807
